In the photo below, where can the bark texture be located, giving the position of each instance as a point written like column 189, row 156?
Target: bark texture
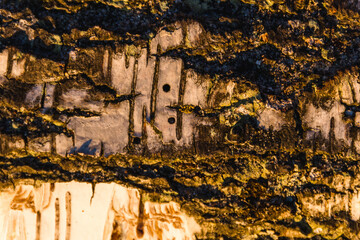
column 245, row 112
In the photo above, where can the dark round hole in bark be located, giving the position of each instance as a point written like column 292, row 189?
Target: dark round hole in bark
column 166, row 88
column 137, row 140
column 171, row 120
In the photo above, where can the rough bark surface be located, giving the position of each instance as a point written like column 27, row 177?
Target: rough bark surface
column 241, row 117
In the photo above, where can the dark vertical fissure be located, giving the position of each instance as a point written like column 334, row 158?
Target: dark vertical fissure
column 154, row 89
column 57, row 219
column 38, row 225
column 9, row 62
column 317, row 141
column 298, row 121
column 26, row 143
column 194, row 143
column 68, row 215
column 148, row 54
column 53, row 143
column 102, row 149
column 140, row 225
column 132, row 106
column 109, row 66
column 184, row 32
column 332, row 136
column 179, row 114
column 73, row 139
column 93, row 186
column 353, row 136
column 143, row 129
column 43, row 96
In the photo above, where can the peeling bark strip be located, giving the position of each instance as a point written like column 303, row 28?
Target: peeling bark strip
column 57, row 219
column 68, row 215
